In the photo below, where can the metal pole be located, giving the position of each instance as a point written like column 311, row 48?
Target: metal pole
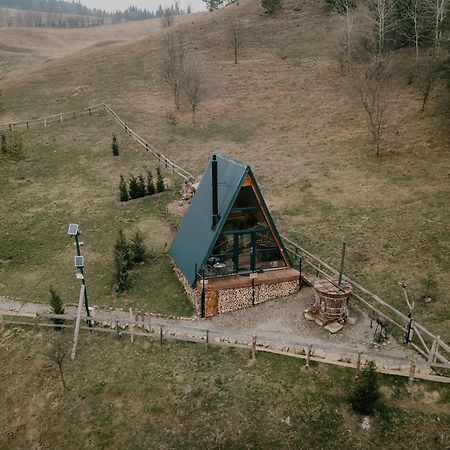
column 300, row 273
column 202, row 304
column 341, row 269
column 83, row 281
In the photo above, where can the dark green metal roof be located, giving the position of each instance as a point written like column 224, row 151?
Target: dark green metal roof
column 196, row 238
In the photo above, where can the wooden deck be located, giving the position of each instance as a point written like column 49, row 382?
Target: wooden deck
column 237, row 281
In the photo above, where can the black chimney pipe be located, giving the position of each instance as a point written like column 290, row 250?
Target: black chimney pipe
column 215, row 197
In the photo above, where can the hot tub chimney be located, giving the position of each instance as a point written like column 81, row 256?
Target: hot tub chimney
column 215, row 196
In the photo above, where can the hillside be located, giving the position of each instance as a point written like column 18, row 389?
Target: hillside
column 144, row 396
column 287, row 111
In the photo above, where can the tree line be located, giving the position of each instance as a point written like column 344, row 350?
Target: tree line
column 62, row 14
column 371, row 30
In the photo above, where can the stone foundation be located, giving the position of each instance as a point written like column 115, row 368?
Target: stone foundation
column 219, row 300
column 193, row 294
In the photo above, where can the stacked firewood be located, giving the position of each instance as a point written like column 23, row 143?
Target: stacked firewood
column 270, row 291
column 232, row 299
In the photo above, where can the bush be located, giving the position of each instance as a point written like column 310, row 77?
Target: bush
column 160, row 185
column 123, row 190
column 115, row 146
column 271, row 6
column 57, row 307
column 365, row 398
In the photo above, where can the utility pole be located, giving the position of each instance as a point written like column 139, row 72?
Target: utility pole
column 341, row 269
column 75, row 231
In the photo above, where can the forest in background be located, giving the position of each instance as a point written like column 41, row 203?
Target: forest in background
column 63, row 14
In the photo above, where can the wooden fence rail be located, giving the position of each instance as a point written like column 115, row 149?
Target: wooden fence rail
column 426, row 343
column 282, row 345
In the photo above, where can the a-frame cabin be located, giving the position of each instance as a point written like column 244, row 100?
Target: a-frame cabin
column 227, row 250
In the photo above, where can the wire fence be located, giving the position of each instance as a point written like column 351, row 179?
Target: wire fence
column 429, row 345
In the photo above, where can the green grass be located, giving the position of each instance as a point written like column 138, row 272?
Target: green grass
column 145, row 396
column 64, row 178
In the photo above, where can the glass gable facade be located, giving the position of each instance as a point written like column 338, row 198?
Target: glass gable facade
column 246, row 243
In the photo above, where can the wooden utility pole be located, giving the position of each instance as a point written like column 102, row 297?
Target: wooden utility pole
column 77, row 323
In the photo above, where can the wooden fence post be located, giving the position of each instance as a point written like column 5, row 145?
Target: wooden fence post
column 207, row 340
column 160, row 335
column 117, row 330
column 358, row 365
column 412, row 371
column 254, row 348
column 308, row 356
column 131, row 326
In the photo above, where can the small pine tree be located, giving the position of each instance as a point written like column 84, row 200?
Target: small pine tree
column 3, row 147
column 115, row 146
column 123, row 190
column 137, row 248
column 122, row 250
column 271, row 6
column 142, row 188
column 150, row 185
column 57, row 307
column 160, row 185
column 13, row 145
column 365, row 398
column 122, row 278
column 122, row 263
column 133, row 189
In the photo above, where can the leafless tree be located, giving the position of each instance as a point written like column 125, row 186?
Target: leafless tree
column 371, row 82
column 417, row 11
column 174, row 58
column 168, row 18
column 193, row 87
column 427, row 76
column 428, row 70
column 438, row 9
column 382, row 15
column 57, row 352
column 235, row 37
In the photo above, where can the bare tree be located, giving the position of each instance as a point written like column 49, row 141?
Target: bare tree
column 173, row 63
column 193, row 87
column 438, row 9
column 382, row 15
column 235, row 38
column 168, row 18
column 417, row 12
column 427, row 75
column 371, row 82
column 57, row 352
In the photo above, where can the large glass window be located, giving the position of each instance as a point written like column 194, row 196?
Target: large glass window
column 246, row 243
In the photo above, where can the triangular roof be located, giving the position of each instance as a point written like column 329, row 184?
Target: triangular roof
column 196, row 238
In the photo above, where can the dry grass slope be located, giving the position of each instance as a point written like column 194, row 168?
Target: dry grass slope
column 286, row 110
column 145, row 396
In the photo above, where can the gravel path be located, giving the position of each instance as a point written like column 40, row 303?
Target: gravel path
column 281, row 320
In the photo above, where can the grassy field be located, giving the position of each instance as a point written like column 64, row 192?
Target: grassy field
column 64, row 179
column 286, row 109
column 141, row 396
